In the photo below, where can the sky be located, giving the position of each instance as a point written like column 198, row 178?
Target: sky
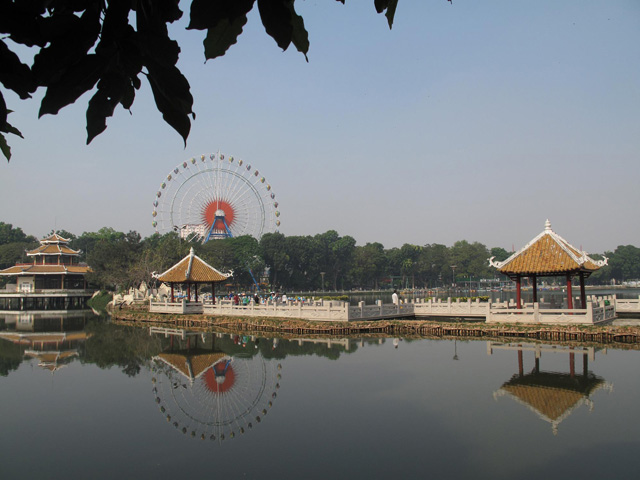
column 469, row 121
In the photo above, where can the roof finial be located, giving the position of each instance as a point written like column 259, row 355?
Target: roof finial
column 547, row 226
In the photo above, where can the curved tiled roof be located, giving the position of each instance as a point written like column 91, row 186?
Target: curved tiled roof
column 194, row 270
column 191, row 365
column 28, row 269
column 53, row 249
column 553, row 396
column 548, row 254
column 55, row 238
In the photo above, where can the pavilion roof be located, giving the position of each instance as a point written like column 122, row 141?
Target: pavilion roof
column 53, row 249
column 29, row 269
column 552, row 396
column 192, row 269
column 55, row 238
column 548, row 254
column 191, row 366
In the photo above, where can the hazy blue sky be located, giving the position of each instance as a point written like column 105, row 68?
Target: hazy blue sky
column 475, row 120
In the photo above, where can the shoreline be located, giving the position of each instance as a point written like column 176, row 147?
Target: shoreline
column 622, row 336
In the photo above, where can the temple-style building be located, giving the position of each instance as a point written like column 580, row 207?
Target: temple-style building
column 54, row 280
column 192, row 271
column 552, row 396
column 549, row 255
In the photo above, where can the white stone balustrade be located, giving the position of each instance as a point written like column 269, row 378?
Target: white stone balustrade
column 598, row 310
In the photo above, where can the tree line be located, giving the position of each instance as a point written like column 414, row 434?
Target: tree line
column 325, row 261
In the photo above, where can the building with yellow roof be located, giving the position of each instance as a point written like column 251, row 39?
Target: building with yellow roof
column 549, row 255
column 53, row 280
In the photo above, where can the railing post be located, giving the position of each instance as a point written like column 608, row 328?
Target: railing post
column 536, row 312
column 361, row 305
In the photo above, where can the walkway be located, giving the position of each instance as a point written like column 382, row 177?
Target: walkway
column 598, row 310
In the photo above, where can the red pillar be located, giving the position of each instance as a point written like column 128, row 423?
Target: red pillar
column 569, row 293
column 518, row 292
column 213, row 293
column 196, row 285
column 583, row 294
column 188, row 292
column 173, row 299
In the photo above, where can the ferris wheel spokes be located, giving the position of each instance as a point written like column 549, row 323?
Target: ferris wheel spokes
column 215, row 196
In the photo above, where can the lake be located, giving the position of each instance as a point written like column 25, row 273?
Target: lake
column 85, row 398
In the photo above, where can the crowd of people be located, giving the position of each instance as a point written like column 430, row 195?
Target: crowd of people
column 262, row 298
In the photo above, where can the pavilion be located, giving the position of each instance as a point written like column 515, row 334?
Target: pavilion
column 53, row 280
column 192, row 270
column 548, row 255
column 552, row 396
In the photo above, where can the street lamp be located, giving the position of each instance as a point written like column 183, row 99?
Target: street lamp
column 453, row 275
column 322, row 275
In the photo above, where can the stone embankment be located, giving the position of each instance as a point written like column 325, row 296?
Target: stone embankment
column 620, row 336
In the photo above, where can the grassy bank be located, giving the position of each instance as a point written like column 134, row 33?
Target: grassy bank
column 100, row 301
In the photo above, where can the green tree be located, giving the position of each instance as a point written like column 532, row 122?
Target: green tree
column 624, row 263
column 273, row 250
column 470, row 258
column 302, row 263
column 111, row 257
column 107, row 46
column 369, row 265
column 342, row 255
column 335, row 254
column 434, row 265
column 14, row 244
column 499, row 254
column 9, row 234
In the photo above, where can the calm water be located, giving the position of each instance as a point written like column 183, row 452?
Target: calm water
column 104, row 400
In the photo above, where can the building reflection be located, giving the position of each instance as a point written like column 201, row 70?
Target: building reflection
column 53, row 340
column 553, row 396
column 216, row 386
column 212, row 389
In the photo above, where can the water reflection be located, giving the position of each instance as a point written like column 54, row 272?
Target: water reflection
column 553, row 396
column 54, row 341
column 209, row 393
column 137, row 401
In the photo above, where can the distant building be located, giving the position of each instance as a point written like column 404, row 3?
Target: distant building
column 55, row 280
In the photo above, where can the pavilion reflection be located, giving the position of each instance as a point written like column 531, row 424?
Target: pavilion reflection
column 553, row 396
column 212, row 389
column 53, row 340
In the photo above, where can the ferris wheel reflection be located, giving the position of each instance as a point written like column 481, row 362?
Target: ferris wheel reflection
column 210, row 394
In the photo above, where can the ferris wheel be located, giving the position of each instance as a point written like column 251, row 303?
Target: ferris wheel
column 215, row 196
column 215, row 399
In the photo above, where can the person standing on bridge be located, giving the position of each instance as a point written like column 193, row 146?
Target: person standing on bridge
column 394, row 298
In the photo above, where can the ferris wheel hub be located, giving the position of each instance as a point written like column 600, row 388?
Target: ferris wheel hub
column 220, row 213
